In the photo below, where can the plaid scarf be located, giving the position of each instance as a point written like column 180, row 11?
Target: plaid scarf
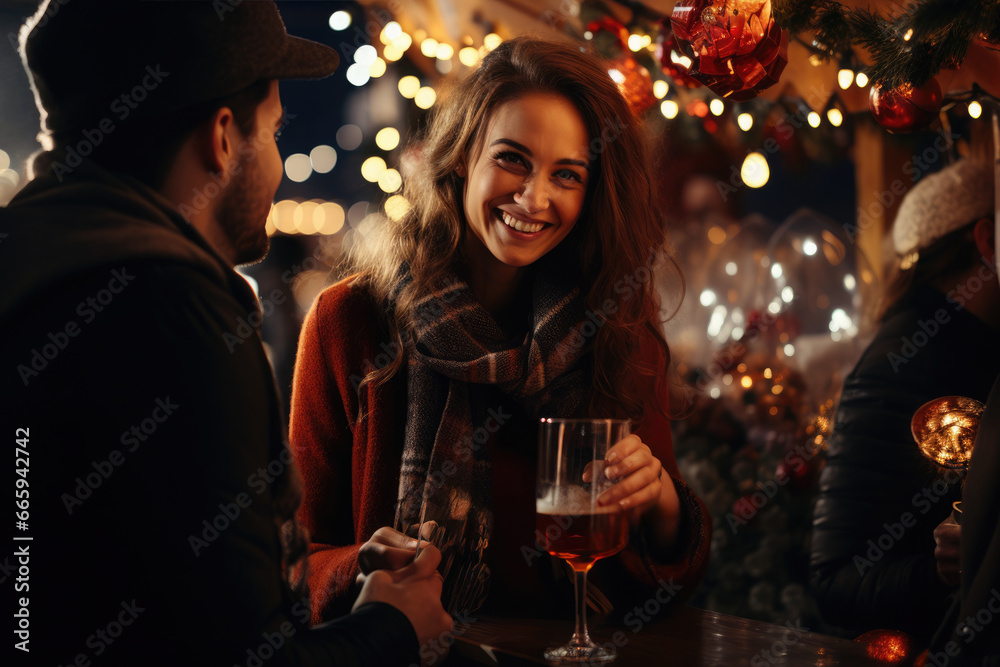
column 455, row 351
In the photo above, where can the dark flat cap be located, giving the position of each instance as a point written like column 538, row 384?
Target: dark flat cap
column 83, row 56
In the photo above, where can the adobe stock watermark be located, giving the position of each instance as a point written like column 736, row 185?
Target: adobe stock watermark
column 959, row 296
column 641, row 615
column 967, row 628
column 50, row 11
column 122, row 107
column 272, row 642
column 437, row 649
column 103, row 637
column 776, row 653
column 248, row 150
column 923, row 501
column 213, row 527
column 627, row 287
column 767, row 490
column 133, row 438
column 865, row 218
column 88, row 310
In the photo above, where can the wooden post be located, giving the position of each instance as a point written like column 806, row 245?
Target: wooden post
column 881, row 181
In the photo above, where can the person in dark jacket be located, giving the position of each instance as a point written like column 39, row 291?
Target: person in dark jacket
column 154, row 486
column 885, row 553
column 969, row 636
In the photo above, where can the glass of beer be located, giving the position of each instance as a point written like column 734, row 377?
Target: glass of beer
column 573, row 525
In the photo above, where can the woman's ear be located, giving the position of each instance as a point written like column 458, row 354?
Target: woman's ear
column 461, row 169
column 984, row 234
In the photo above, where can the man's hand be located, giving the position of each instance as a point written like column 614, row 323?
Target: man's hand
column 948, row 551
column 415, row 590
column 387, row 549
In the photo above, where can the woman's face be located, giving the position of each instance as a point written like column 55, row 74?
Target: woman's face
column 524, row 190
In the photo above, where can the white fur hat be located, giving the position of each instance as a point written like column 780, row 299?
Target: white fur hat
column 943, row 202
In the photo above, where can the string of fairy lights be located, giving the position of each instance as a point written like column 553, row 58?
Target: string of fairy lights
column 317, row 216
column 325, row 218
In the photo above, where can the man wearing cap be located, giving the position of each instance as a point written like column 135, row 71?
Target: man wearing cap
column 884, row 552
column 155, row 490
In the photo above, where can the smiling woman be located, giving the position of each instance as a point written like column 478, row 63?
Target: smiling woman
column 519, row 285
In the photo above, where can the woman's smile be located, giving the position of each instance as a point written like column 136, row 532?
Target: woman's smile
column 525, row 187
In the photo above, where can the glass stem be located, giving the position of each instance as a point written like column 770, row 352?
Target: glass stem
column 581, row 637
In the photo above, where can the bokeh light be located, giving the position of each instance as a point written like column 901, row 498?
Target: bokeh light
column 298, row 167
column 409, row 86
column 425, row 97
column 390, row 181
column 340, row 20
column 387, row 138
column 349, row 137
column 323, row 159
column 372, row 168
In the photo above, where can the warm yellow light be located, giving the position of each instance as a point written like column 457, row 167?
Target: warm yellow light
column 861, row 79
column 377, row 68
column 304, row 220
column 975, row 109
column 776, row 389
column 660, row 88
column 813, row 119
column 425, row 97
column 402, row 42
column 717, row 106
column 492, row 41
column 635, row 42
column 408, row 86
column 945, row 429
column 669, row 109
column 468, row 56
column 908, row 36
column 390, row 180
column 835, row 117
column 283, row 214
column 845, row 78
column 387, row 138
column 445, row 52
column 429, row 47
column 397, row 206
column 329, row 218
column 745, row 121
column 755, row 171
column 392, row 53
column 372, row 168
column 390, row 32
column 746, row 382
column 716, row 234
column 767, row 373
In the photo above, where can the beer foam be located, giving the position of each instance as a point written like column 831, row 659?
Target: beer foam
column 571, row 499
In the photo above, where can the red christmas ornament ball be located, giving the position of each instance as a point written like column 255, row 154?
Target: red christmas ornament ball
column 906, row 108
column 666, row 44
column 889, row 647
column 737, row 49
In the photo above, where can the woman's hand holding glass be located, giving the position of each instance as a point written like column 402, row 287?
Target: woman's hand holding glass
column 643, row 490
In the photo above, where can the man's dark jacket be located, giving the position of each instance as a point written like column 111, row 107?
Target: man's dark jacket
column 872, row 562
column 151, row 441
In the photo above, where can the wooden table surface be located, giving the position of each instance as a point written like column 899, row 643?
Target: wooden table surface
column 689, row 637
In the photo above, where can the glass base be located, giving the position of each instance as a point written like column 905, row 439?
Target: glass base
column 581, row 654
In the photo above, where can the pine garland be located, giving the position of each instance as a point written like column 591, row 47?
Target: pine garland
column 909, row 47
column 926, row 37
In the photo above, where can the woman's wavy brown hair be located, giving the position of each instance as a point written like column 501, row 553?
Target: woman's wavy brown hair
column 611, row 249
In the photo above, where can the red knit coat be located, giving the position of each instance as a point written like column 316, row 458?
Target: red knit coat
column 350, row 467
